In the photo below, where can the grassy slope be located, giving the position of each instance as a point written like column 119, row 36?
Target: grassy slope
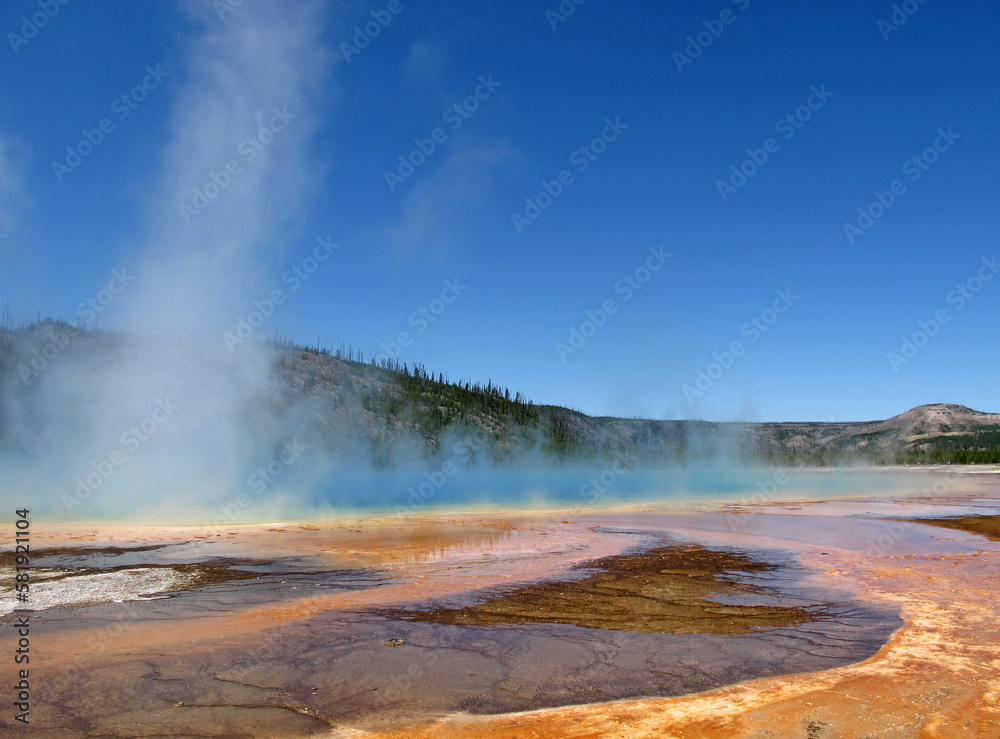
column 381, row 407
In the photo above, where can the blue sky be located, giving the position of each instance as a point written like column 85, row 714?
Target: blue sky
column 880, row 95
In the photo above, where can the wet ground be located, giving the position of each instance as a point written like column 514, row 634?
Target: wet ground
column 819, row 620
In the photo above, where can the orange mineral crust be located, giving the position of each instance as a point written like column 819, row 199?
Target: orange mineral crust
column 849, row 618
column 939, row 676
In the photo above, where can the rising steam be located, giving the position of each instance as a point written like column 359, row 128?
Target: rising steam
column 161, row 423
column 170, row 422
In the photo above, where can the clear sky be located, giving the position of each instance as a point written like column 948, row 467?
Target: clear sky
column 627, row 125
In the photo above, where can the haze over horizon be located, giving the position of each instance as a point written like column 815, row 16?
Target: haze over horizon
column 692, row 246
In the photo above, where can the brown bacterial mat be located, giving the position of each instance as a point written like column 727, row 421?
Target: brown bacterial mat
column 666, row 589
column 988, row 526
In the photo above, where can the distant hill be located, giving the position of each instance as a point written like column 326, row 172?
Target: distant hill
column 940, row 432
column 383, row 406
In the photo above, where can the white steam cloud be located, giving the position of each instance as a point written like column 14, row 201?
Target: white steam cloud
column 168, row 422
column 238, row 162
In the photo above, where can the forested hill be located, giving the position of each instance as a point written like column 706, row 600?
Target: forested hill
column 383, row 406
